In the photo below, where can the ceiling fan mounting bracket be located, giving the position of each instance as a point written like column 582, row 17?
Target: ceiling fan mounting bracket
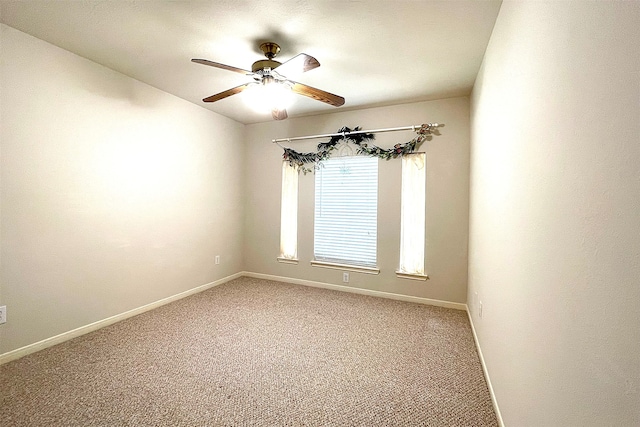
column 270, row 49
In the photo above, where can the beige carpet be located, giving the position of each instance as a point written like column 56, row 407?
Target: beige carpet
column 258, row 353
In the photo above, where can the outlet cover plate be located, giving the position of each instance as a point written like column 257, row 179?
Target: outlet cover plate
column 3, row 314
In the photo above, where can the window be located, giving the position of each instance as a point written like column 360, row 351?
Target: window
column 289, row 214
column 412, row 217
column 346, row 213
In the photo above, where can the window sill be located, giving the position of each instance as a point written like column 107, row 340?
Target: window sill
column 346, row 267
column 411, row 276
column 287, row 260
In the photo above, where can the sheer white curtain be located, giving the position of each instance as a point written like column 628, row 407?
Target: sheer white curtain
column 289, row 212
column 412, row 215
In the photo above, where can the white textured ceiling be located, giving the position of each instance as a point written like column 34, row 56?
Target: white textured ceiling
column 372, row 52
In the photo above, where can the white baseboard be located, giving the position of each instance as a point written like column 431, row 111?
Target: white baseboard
column 65, row 336
column 494, row 401
column 389, row 295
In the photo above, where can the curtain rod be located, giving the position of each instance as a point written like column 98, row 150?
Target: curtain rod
column 329, row 135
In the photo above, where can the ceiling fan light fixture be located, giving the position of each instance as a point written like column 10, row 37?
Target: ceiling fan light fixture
column 268, row 95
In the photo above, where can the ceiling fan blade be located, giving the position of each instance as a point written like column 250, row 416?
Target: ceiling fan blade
column 223, row 66
column 317, row 94
column 279, row 114
column 226, row 93
column 300, row 63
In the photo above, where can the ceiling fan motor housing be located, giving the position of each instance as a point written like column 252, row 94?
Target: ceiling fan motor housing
column 264, row 63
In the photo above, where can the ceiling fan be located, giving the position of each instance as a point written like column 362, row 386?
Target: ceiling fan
column 270, row 74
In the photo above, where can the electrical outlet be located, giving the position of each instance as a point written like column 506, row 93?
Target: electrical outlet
column 480, row 310
column 345, row 277
column 217, row 259
column 3, row 314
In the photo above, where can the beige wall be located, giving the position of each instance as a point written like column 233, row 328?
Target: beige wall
column 447, row 198
column 555, row 213
column 114, row 194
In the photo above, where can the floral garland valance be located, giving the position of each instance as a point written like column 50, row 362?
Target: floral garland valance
column 361, row 140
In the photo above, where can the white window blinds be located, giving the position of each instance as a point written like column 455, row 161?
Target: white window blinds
column 412, row 214
column 289, row 212
column 346, row 211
